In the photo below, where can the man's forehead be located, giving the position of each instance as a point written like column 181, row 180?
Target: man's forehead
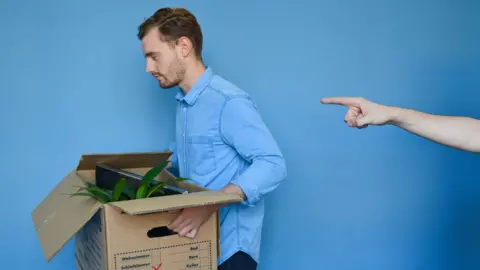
column 151, row 42
column 149, row 46
column 152, row 34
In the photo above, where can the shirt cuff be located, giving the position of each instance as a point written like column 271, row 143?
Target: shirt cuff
column 251, row 194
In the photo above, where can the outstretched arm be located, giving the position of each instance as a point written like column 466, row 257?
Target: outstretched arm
column 454, row 131
column 459, row 132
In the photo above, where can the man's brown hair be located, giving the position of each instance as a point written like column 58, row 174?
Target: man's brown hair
column 174, row 23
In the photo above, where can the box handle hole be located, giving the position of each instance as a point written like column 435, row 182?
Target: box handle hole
column 160, row 232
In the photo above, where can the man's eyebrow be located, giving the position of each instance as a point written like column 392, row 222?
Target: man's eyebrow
column 150, row 54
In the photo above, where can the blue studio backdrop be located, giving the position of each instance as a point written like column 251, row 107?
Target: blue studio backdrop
column 378, row 198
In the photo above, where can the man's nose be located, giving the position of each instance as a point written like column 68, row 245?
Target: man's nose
column 149, row 67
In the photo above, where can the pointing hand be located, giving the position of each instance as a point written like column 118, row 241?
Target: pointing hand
column 362, row 112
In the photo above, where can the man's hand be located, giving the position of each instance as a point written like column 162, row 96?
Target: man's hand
column 189, row 220
column 362, row 112
column 454, row 131
column 234, row 189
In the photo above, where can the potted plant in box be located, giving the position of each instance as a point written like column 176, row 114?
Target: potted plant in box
column 149, row 187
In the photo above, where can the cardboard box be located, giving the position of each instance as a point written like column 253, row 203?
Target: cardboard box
column 127, row 234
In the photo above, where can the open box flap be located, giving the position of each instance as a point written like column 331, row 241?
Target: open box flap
column 173, row 202
column 123, row 161
column 59, row 216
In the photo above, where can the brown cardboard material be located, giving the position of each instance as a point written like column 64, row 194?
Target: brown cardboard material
column 122, row 235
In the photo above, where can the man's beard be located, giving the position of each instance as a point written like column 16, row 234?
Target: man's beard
column 178, row 71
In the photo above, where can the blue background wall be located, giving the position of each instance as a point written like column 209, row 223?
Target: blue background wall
column 378, row 198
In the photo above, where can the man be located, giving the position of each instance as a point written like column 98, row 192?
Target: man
column 221, row 141
column 458, row 132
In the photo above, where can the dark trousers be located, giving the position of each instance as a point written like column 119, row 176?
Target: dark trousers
column 239, row 261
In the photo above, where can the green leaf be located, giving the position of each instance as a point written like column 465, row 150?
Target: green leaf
column 153, row 172
column 88, row 185
column 129, row 192
column 181, row 179
column 123, row 197
column 88, row 194
column 156, row 189
column 118, row 189
column 97, row 192
column 141, row 192
column 100, row 193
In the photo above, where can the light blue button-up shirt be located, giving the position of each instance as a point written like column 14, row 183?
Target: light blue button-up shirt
column 221, row 139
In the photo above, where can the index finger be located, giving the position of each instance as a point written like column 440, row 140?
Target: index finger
column 345, row 101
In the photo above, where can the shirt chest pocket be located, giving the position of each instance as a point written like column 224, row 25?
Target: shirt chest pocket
column 201, row 155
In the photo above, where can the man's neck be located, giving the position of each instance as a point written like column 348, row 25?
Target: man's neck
column 192, row 75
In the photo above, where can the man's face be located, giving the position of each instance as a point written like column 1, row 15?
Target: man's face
column 163, row 60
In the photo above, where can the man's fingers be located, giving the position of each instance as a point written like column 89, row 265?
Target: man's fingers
column 185, row 223
column 177, row 222
column 363, row 121
column 351, row 116
column 192, row 233
column 352, row 113
column 179, row 227
column 185, row 230
column 345, row 101
column 355, row 110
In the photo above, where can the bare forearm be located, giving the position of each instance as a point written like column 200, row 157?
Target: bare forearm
column 458, row 132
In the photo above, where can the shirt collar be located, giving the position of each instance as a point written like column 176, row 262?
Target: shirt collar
column 199, row 86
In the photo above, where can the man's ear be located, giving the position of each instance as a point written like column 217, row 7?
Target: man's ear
column 185, row 46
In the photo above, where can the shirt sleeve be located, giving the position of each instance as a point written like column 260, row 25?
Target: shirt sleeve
column 242, row 128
